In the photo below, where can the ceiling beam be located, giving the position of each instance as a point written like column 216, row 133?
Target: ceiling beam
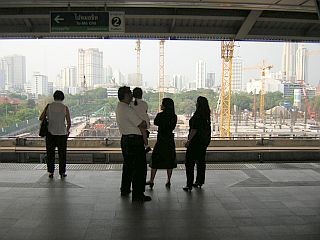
column 248, row 24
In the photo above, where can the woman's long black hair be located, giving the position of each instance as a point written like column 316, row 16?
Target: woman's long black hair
column 202, row 108
column 168, row 105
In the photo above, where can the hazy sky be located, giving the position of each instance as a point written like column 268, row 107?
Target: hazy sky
column 49, row 56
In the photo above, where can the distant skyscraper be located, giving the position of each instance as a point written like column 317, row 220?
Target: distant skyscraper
column 135, row 79
column 39, row 84
column 210, row 80
column 119, row 78
column 109, row 76
column 90, row 68
column 177, row 80
column 289, row 62
column 201, row 74
column 302, row 64
column 2, row 79
column 14, row 67
column 236, row 82
column 68, row 77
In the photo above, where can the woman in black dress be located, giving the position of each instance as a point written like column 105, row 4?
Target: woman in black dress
column 164, row 152
column 198, row 140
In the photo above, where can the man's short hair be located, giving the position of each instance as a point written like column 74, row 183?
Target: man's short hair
column 122, row 91
column 58, row 95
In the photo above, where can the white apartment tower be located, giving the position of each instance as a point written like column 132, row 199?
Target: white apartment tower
column 201, row 74
column 14, row 69
column 90, row 67
column 68, row 77
column 39, row 84
column 177, row 81
column 302, row 64
column 289, row 62
column 236, row 82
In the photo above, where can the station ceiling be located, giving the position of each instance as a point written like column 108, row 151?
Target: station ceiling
column 268, row 20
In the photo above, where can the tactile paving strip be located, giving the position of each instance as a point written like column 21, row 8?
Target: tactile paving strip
column 209, row 166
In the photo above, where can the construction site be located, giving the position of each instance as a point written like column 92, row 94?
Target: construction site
column 296, row 120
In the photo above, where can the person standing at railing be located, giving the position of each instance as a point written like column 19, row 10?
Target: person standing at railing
column 134, row 169
column 164, row 152
column 58, row 116
column 198, row 140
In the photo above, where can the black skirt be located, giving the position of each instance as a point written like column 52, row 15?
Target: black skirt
column 164, row 153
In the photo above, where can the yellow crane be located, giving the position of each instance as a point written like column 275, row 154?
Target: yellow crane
column 161, row 73
column 227, row 48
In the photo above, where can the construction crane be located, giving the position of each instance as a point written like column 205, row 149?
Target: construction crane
column 161, row 72
column 311, row 113
column 227, row 48
column 138, row 49
column 263, row 68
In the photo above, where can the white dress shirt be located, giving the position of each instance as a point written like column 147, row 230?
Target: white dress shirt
column 127, row 119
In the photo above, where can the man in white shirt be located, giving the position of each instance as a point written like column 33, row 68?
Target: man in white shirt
column 134, row 157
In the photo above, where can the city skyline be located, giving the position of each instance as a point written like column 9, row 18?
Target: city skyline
column 49, row 57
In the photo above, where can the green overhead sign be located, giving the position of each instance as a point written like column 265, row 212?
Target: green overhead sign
column 87, row 22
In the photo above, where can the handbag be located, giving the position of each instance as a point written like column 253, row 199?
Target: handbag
column 43, row 128
column 43, row 131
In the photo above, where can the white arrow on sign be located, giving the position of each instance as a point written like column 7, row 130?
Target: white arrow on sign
column 57, row 19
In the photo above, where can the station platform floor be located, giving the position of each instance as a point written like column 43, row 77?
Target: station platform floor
column 238, row 201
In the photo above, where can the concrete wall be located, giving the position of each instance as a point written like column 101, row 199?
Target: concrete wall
column 91, row 157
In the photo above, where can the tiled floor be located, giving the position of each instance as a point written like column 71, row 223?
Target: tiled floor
column 254, row 201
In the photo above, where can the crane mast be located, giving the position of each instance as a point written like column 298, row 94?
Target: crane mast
column 161, row 72
column 264, row 68
column 138, row 49
column 227, row 48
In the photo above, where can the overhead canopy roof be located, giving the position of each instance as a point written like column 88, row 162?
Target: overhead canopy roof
column 284, row 20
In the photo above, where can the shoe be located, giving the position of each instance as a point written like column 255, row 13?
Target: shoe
column 168, row 184
column 50, row 175
column 197, row 185
column 148, row 149
column 151, row 184
column 187, row 189
column 63, row 175
column 125, row 193
column 142, row 198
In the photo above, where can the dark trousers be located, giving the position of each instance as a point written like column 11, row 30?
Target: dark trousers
column 134, row 168
column 195, row 154
column 59, row 141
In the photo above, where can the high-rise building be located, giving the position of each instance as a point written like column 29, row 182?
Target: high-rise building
column 109, row 76
column 135, row 79
column 90, row 68
column 177, row 80
column 289, row 62
column 210, row 80
column 119, row 78
column 2, row 79
column 39, row 84
column 302, row 64
column 201, row 74
column 68, row 77
column 236, row 81
column 14, row 68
